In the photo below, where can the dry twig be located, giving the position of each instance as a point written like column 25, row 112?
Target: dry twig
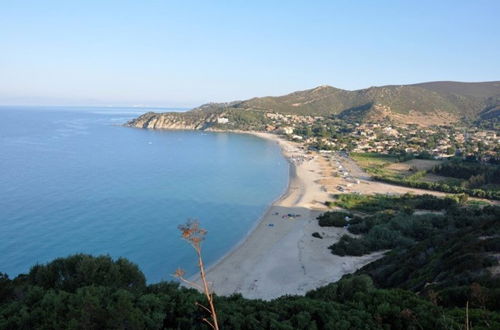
column 194, row 235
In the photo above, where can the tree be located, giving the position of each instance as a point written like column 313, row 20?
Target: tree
column 462, row 198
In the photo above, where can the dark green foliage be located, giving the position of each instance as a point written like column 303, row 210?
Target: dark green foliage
column 400, row 309
column 335, row 219
column 348, row 245
column 343, row 290
column 82, row 270
column 352, row 303
column 382, row 231
column 388, row 230
column 6, row 288
column 395, row 226
column 406, row 203
column 446, row 255
column 463, row 170
column 246, row 120
column 475, row 173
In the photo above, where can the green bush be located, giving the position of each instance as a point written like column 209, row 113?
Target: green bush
column 407, row 202
column 82, row 270
column 333, row 219
column 351, row 303
column 448, row 254
column 349, row 246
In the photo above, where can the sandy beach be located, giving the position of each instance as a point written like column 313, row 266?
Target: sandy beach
column 280, row 256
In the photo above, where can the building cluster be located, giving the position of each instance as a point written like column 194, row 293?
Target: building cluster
column 435, row 141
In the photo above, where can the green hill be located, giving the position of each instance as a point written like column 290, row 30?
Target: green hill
column 460, row 99
column 433, row 102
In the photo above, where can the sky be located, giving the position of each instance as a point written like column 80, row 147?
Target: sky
column 186, row 53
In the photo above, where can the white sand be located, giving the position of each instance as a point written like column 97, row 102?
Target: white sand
column 284, row 258
column 366, row 185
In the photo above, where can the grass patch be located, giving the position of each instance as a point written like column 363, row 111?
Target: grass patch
column 477, row 203
column 374, row 163
column 373, row 159
column 474, row 179
column 377, row 164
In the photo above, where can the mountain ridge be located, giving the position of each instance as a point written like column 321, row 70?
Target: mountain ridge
column 438, row 102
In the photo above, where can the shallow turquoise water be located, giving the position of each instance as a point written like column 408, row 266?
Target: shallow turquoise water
column 72, row 181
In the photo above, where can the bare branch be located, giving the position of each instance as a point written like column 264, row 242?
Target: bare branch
column 203, row 306
column 194, row 235
column 193, row 284
column 209, row 323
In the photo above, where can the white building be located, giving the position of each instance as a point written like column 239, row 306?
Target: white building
column 222, row 120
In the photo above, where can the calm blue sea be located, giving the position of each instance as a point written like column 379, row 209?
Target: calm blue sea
column 72, row 180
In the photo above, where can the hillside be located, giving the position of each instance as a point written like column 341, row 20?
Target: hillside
column 426, row 103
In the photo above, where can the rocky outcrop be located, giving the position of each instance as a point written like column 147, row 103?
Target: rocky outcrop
column 174, row 121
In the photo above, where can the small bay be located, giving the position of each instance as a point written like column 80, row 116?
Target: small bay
column 72, row 180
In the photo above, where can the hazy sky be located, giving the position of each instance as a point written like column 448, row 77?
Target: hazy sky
column 184, row 53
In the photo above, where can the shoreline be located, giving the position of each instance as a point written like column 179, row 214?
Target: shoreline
column 292, row 175
column 279, row 256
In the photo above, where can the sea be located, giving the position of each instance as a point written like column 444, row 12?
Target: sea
column 74, row 180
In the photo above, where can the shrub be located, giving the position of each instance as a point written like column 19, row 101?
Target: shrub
column 83, row 270
column 317, row 235
column 333, row 219
column 350, row 246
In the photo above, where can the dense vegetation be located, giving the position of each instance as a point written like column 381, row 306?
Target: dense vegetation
column 243, row 120
column 83, row 292
column 406, row 202
column 451, row 256
column 402, row 230
column 335, row 219
column 476, row 175
column 393, row 222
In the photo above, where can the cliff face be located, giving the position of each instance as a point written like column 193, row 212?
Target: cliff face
column 173, row 121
